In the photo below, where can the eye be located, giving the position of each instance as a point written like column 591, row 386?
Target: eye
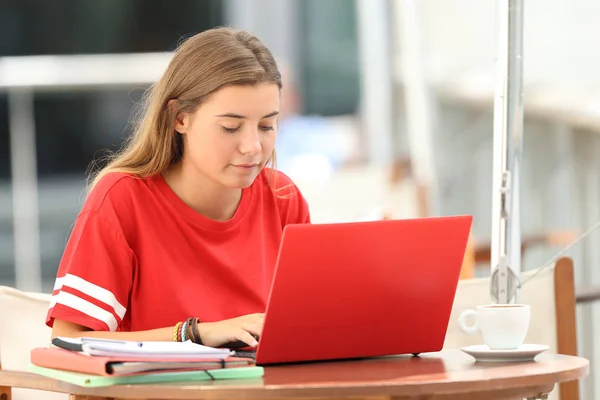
column 230, row 130
column 266, row 128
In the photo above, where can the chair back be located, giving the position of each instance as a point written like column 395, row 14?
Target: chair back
column 22, row 328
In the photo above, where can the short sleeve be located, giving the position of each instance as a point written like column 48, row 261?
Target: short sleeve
column 299, row 212
column 293, row 207
column 95, row 276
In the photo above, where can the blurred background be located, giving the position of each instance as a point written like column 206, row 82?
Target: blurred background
column 388, row 110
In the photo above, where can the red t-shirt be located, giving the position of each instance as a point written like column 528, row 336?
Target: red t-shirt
column 140, row 258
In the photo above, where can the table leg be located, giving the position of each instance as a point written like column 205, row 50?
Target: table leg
column 5, row 393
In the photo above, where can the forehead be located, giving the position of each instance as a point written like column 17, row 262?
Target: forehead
column 246, row 100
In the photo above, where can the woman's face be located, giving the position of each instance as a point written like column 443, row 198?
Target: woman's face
column 231, row 136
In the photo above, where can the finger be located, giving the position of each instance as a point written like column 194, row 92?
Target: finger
column 247, row 338
column 255, row 329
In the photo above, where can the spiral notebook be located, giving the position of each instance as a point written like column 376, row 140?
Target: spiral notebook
column 146, row 349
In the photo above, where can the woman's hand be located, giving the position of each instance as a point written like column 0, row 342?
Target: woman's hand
column 245, row 328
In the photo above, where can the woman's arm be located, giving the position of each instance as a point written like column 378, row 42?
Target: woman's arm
column 214, row 334
column 69, row 329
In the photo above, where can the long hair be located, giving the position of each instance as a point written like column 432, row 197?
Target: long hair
column 201, row 65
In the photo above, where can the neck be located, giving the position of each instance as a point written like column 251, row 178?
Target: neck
column 204, row 195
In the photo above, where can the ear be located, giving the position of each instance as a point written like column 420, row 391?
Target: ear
column 182, row 119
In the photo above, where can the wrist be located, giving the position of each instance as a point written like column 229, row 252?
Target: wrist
column 202, row 329
column 194, row 330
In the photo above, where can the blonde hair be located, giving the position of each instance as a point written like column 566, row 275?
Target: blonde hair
column 203, row 64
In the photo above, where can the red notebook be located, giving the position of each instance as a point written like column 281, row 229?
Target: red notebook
column 110, row 366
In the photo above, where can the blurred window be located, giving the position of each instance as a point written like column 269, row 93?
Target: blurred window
column 329, row 60
column 72, row 127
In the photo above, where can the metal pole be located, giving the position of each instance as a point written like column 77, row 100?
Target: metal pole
column 375, row 62
column 24, row 191
column 508, row 140
column 420, row 117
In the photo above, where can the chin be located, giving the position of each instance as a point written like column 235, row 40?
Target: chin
column 245, row 184
column 240, row 182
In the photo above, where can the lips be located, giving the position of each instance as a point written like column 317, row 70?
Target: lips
column 246, row 167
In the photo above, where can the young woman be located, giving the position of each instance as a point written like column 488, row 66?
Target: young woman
column 180, row 231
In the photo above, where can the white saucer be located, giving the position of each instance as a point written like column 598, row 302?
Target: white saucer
column 526, row 352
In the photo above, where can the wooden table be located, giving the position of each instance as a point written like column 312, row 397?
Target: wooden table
column 448, row 375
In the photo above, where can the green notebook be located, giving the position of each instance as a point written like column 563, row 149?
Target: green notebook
column 87, row 380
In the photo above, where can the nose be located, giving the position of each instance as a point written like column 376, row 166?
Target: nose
column 250, row 142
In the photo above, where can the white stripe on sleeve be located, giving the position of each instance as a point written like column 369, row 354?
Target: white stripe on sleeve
column 92, row 290
column 84, row 306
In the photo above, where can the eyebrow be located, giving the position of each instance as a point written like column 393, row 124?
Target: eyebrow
column 238, row 116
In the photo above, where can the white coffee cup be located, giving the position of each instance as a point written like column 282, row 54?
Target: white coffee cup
column 502, row 326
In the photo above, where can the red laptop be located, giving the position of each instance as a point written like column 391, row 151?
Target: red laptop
column 363, row 289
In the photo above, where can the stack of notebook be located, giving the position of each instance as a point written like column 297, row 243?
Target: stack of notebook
column 100, row 362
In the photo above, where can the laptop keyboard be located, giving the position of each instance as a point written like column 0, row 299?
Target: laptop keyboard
column 245, row 354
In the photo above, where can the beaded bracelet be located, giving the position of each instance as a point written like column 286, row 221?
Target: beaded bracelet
column 179, row 332
column 187, row 330
column 183, row 331
column 176, row 332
